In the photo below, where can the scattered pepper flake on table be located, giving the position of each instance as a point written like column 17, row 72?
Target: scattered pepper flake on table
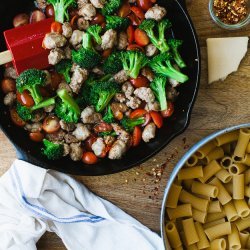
column 230, row 11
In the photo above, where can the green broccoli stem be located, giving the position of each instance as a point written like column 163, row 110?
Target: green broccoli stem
column 35, row 93
column 163, row 46
column 178, row 59
column 86, row 41
column 59, row 11
column 64, row 95
column 44, row 104
column 171, row 72
column 103, row 101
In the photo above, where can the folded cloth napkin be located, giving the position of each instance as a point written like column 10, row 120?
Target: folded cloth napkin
column 34, row 200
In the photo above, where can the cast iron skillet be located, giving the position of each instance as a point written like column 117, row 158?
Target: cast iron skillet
column 30, row 151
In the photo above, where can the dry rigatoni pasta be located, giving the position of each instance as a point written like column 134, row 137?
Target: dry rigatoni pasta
column 226, row 162
column 199, row 215
column 231, row 211
column 190, row 173
column 196, row 202
column 216, row 154
column 218, row 244
column 180, row 211
column 191, row 235
column 213, row 223
column 192, row 161
column 243, row 224
column 173, row 196
column 204, row 189
column 238, row 187
column 247, row 191
column 242, row 208
column 227, row 138
column 214, row 207
column 218, row 231
column 224, row 176
column 203, row 241
column 173, row 235
column 237, row 168
column 204, row 150
column 244, row 235
column 187, row 184
column 248, row 148
column 243, row 141
column 247, row 176
column 210, row 170
column 215, row 216
column 234, row 239
column 246, row 159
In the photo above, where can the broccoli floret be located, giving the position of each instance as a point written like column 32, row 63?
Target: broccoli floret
column 111, row 6
column 86, row 56
column 66, row 108
column 158, row 85
column 116, row 22
column 132, row 62
column 61, row 9
column 111, row 133
column 64, row 67
column 52, row 151
column 101, row 93
column 26, row 113
column 94, row 31
column 31, row 80
column 162, row 65
column 112, row 64
column 109, row 117
column 157, row 37
column 175, row 45
column 129, row 124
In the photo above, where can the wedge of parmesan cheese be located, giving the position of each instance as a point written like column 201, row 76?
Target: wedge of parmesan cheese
column 224, row 56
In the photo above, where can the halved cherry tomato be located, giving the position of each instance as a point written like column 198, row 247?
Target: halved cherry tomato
column 135, row 47
column 16, row 118
column 55, row 80
column 51, row 124
column 8, row 85
column 89, row 158
column 157, row 119
column 140, row 81
column 49, row 11
column 36, row 136
column 138, row 12
column 137, row 113
column 144, row 4
column 98, row 19
column 169, row 111
column 137, row 135
column 56, row 27
column 89, row 141
column 124, row 10
column 25, row 98
column 141, row 38
column 147, row 119
column 73, row 22
column 106, row 53
column 134, row 19
column 102, row 127
column 130, row 33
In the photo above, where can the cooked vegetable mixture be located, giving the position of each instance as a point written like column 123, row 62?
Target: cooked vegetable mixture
column 113, row 78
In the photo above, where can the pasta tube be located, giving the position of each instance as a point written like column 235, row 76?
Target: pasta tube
column 203, row 241
column 234, row 239
column 227, row 138
column 173, row 196
column 218, row 231
column 211, row 169
column 190, row 173
column 204, row 189
column 238, row 186
column 173, row 235
column 190, row 231
column 180, row 211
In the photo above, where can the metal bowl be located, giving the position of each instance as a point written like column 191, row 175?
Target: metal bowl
column 180, row 164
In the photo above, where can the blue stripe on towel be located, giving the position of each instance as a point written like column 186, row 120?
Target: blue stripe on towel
column 42, row 212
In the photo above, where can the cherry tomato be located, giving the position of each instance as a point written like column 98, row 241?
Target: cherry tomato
column 51, row 124
column 137, row 113
column 137, row 135
column 89, row 158
column 135, row 47
column 138, row 12
column 73, row 22
column 118, row 115
column 25, row 98
column 20, row 20
column 147, row 119
column 36, row 136
column 169, row 111
column 56, row 27
column 102, row 127
column 153, row 1
column 89, row 141
column 140, row 81
column 104, row 152
column 8, row 85
column 49, row 11
column 37, row 16
column 16, row 118
column 141, row 38
column 106, row 53
column 98, row 19
column 124, row 10
column 157, row 119
column 134, row 19
column 130, row 33
column 55, row 80
column 144, row 4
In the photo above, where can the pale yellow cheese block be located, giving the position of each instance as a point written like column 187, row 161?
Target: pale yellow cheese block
column 224, row 56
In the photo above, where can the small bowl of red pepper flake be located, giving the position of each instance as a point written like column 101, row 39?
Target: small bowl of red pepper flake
column 230, row 14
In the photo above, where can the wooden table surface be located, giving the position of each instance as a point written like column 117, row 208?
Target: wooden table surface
column 222, row 104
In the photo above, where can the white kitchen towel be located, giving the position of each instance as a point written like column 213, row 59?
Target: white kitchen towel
column 34, row 200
